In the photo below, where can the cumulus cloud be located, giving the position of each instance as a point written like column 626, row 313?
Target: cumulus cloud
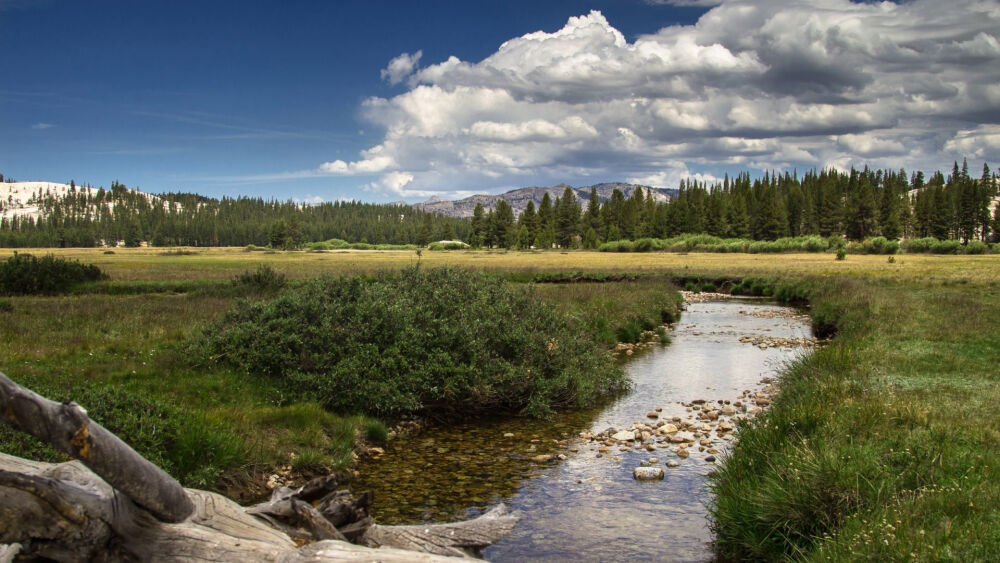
column 762, row 84
column 401, row 67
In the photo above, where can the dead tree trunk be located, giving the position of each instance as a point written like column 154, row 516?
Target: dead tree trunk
column 126, row 508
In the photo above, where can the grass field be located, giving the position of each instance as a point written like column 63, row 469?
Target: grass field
column 882, row 445
column 157, row 265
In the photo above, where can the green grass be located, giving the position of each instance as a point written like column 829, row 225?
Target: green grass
column 616, row 311
column 881, row 445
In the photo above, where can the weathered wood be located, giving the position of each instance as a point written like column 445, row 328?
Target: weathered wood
column 218, row 530
column 66, row 512
column 456, row 539
column 68, row 428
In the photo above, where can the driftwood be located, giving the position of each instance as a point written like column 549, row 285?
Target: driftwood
column 113, row 504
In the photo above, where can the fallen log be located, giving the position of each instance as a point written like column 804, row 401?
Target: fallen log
column 75, row 511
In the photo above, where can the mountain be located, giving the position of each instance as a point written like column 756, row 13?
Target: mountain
column 519, row 198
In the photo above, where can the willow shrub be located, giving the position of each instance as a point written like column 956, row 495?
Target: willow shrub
column 443, row 342
column 25, row 274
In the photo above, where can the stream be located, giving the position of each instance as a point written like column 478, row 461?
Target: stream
column 583, row 503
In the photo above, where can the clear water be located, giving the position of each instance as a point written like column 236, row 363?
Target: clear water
column 587, row 507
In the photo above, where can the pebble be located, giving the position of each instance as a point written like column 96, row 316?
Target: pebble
column 710, row 459
column 672, row 463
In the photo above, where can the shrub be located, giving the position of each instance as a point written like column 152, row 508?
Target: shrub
column 841, row 253
column 708, row 287
column 919, row 245
column 264, row 279
column 946, row 247
column 617, row 246
column 976, row 247
column 442, row 342
column 24, row 274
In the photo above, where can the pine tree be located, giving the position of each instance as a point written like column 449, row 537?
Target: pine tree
column 568, row 218
column 479, row 226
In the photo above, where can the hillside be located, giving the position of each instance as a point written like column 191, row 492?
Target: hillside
column 36, row 199
column 519, row 198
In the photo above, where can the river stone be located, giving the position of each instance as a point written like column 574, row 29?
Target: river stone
column 682, row 453
column 542, row 458
column 725, row 426
column 623, row 436
column 647, row 473
column 673, row 463
column 653, row 414
column 728, row 410
column 710, row 458
column 666, row 429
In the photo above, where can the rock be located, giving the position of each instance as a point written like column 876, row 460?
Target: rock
column 713, row 451
column 672, row 463
column 654, row 460
column 508, row 434
column 646, row 435
column 725, row 426
column 561, row 456
column 542, row 458
column 728, row 410
column 623, row 436
column 666, row 429
column 652, row 414
column 710, row 458
column 682, row 453
column 604, row 449
column 647, row 473
column 650, row 448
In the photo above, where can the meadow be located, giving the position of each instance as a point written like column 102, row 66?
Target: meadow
column 881, row 445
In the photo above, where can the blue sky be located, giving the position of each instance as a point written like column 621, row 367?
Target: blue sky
column 382, row 101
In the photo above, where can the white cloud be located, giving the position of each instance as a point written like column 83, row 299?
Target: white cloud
column 766, row 84
column 42, row 126
column 981, row 142
column 401, row 67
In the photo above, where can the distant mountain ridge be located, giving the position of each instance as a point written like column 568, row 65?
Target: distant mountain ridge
column 519, row 198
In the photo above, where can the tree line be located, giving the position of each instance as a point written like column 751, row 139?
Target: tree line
column 85, row 218
column 856, row 204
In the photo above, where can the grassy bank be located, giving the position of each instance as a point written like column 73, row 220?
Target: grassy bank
column 882, row 445
column 123, row 350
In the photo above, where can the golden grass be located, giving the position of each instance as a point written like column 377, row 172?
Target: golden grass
column 148, row 264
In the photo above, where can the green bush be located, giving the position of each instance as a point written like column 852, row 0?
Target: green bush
column 976, row 247
column 24, row 274
column 919, row 245
column 617, row 246
column 841, row 253
column 443, row 342
column 264, row 279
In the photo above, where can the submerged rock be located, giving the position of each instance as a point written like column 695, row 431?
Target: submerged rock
column 623, row 436
column 647, row 473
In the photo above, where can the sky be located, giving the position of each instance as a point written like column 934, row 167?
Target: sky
column 386, row 101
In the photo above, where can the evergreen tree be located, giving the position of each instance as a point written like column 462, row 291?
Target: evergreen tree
column 568, row 218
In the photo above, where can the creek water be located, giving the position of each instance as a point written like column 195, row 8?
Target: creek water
column 585, row 506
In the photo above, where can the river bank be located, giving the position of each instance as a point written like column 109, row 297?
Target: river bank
column 573, row 476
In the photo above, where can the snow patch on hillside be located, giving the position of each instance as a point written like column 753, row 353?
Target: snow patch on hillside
column 23, row 199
